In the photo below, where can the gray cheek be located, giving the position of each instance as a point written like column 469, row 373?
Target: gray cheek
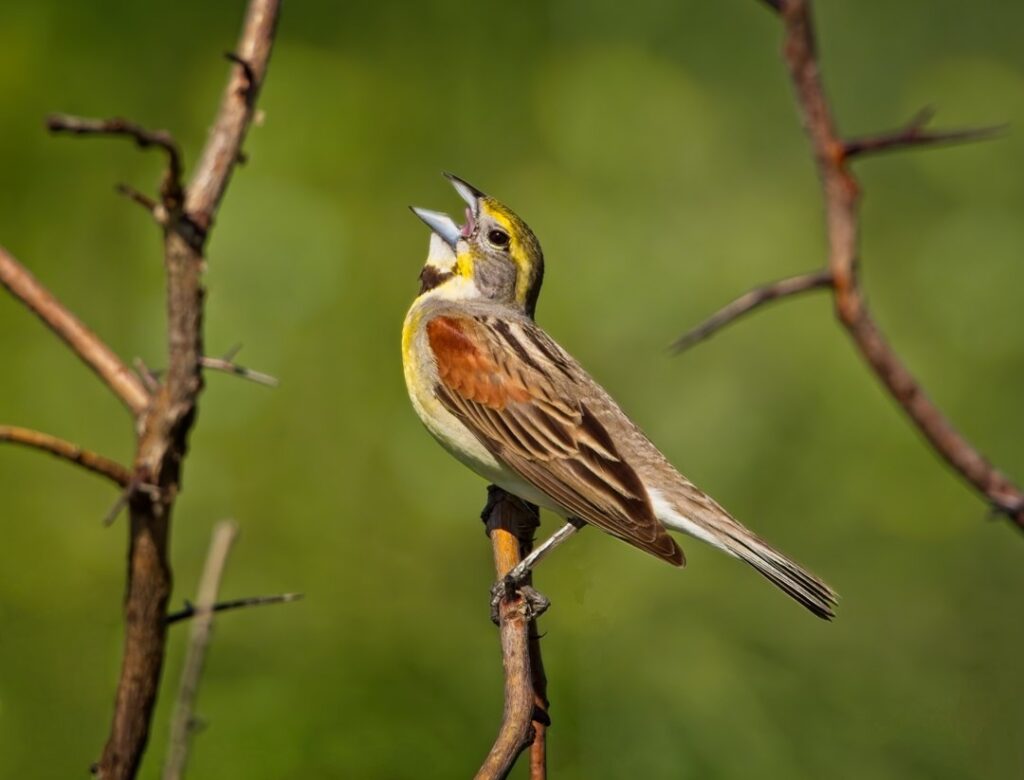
column 495, row 279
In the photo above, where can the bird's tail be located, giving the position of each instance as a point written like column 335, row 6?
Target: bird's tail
column 699, row 516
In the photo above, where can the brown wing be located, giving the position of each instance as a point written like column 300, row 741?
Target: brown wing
column 529, row 410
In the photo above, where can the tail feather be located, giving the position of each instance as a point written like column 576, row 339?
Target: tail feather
column 707, row 521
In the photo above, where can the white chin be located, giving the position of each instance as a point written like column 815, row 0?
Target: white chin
column 441, row 255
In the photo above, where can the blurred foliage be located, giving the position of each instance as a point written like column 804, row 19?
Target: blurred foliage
column 656, row 151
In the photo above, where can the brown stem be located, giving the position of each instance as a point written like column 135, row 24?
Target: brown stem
column 164, row 428
column 842, row 194
column 97, row 464
column 82, row 341
column 749, row 301
column 510, row 525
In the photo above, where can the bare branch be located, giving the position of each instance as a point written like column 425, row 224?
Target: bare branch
column 841, row 193
column 229, row 367
column 165, row 428
column 191, row 610
column 224, row 535
column 915, row 135
column 65, row 450
column 510, row 526
column 171, row 190
column 222, row 150
column 82, row 341
column 749, row 301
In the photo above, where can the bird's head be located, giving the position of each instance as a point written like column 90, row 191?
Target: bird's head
column 494, row 251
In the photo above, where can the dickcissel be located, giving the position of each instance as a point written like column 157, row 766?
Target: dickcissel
column 507, row 401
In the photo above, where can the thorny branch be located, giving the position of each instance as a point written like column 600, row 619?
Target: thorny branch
column 841, row 193
column 510, row 526
column 164, row 411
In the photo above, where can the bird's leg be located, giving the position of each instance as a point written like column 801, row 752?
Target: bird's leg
column 515, row 581
column 523, row 569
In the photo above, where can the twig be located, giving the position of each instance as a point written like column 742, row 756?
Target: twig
column 192, row 610
column 155, row 210
column 171, row 190
column 841, row 193
column 224, row 534
column 97, row 464
column 229, row 367
column 82, row 341
column 510, row 526
column 749, row 301
column 914, row 135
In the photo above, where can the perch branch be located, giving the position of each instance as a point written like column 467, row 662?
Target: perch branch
column 841, row 193
column 166, row 424
column 82, row 341
column 224, row 535
column 751, row 300
column 97, row 464
column 191, row 610
column 510, row 526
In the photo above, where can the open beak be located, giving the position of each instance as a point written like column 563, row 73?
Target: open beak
column 472, row 196
column 443, row 225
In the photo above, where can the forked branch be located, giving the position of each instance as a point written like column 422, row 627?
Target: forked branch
column 841, row 192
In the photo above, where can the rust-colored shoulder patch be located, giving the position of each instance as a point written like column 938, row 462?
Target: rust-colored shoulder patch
column 467, row 366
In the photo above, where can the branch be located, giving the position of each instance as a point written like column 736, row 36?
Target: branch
column 238, row 104
column 164, row 428
column 510, row 526
column 191, row 610
column 841, row 192
column 749, row 301
column 230, row 367
column 914, row 135
column 90, row 461
column 82, row 341
column 224, row 535
column 171, row 189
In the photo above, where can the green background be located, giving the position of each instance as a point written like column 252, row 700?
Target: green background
column 656, row 151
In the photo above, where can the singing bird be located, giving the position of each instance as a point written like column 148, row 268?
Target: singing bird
column 506, row 400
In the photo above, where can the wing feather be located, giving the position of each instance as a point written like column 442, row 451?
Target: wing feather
column 515, row 389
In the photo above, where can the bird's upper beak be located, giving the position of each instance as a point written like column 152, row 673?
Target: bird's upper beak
column 445, row 226
column 441, row 224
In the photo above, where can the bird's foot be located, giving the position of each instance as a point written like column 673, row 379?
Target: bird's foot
column 534, row 603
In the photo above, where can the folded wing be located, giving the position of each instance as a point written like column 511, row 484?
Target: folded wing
column 517, row 393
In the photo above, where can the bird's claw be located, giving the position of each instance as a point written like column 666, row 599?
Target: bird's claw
column 534, row 603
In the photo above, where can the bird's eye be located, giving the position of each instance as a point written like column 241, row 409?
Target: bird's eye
column 498, row 238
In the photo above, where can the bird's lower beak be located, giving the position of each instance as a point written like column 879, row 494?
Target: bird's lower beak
column 440, row 223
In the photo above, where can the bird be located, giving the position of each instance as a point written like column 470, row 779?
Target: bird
column 506, row 400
